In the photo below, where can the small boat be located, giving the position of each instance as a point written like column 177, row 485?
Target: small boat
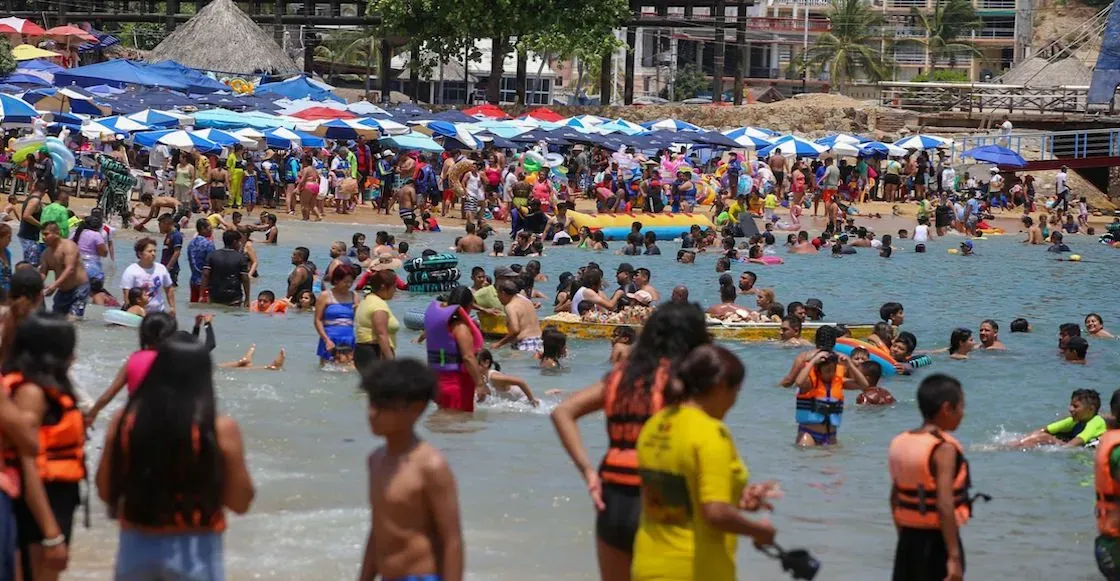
column 495, row 327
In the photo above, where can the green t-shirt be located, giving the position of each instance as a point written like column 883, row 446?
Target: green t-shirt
column 58, row 214
column 1090, row 431
column 723, row 218
column 487, row 298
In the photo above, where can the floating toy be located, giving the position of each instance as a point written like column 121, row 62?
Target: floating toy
column 122, row 318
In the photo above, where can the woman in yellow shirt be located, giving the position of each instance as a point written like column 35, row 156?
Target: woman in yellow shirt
column 375, row 327
column 694, row 484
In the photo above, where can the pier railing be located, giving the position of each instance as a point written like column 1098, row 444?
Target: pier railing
column 981, row 97
column 1048, row 145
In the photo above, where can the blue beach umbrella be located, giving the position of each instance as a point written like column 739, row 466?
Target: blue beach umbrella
column 342, row 129
column 284, row 138
column 225, row 139
column 413, row 141
column 119, row 124
column 455, row 131
column 384, row 126
column 919, row 142
column 14, row 110
column 791, row 145
column 177, row 139
column 670, row 125
column 880, row 148
column 835, row 138
column 153, row 118
column 621, row 125
column 996, row 154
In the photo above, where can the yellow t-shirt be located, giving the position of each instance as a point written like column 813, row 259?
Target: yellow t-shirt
column 687, row 459
column 771, row 201
column 734, row 210
column 363, row 320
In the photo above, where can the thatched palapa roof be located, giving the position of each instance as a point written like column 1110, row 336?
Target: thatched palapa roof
column 223, row 38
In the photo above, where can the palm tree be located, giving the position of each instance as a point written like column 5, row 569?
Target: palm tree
column 949, row 21
column 351, row 47
column 849, row 50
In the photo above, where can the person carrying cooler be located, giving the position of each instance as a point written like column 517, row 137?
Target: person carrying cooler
column 930, row 483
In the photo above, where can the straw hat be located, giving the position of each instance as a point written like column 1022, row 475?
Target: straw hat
column 198, row 183
column 268, row 154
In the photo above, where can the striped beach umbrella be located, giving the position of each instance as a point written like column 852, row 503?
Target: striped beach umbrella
column 14, row 110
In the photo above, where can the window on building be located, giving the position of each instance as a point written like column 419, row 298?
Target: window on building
column 537, row 90
column 454, row 92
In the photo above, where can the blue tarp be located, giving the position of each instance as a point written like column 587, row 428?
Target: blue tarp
column 199, row 81
column 298, row 88
column 121, row 72
column 39, row 65
column 18, row 78
column 116, row 73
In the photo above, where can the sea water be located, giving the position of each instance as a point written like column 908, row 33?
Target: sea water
column 525, row 512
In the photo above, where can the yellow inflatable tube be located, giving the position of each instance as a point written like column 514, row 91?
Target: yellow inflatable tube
column 617, row 226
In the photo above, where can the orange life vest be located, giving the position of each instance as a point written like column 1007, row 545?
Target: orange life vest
column 822, row 399
column 910, row 458
column 1108, row 490
column 625, row 419
column 62, row 443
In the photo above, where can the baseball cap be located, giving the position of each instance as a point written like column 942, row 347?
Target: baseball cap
column 641, row 296
column 625, row 267
column 815, row 304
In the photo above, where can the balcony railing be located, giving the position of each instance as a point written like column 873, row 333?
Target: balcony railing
column 990, row 33
column 995, row 4
column 901, row 32
column 909, row 58
column 907, row 4
column 789, row 25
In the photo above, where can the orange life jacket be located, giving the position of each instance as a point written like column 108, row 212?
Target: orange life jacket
column 62, row 443
column 822, row 398
column 625, row 419
column 1108, row 490
column 910, row 458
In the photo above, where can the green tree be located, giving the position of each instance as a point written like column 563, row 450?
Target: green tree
column 7, row 62
column 850, row 49
column 941, row 76
column 350, row 47
column 949, row 21
column 142, row 35
column 689, row 82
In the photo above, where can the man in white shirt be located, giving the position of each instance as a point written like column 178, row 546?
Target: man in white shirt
column 948, row 179
column 159, row 157
column 1061, row 189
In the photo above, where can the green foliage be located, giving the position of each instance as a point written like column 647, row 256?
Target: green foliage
column 142, row 35
column 945, row 26
column 850, row 49
column 7, row 62
column 689, row 82
column 942, row 76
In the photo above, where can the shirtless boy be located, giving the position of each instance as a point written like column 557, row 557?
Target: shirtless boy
column 415, row 531
column 521, row 319
column 471, row 243
column 155, row 204
column 406, row 200
column 71, row 283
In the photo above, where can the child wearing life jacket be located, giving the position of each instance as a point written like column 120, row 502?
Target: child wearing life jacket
column 821, row 383
column 1083, row 426
column 1107, row 482
column 930, row 484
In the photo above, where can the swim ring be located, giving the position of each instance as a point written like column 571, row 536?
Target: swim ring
column 414, row 320
column 443, row 261
column 877, row 354
column 426, row 276
column 991, row 231
column 122, row 318
column 433, row 287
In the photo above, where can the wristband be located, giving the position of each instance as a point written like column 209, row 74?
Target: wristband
column 53, row 542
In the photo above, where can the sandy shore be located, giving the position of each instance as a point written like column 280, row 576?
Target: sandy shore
column 889, row 223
